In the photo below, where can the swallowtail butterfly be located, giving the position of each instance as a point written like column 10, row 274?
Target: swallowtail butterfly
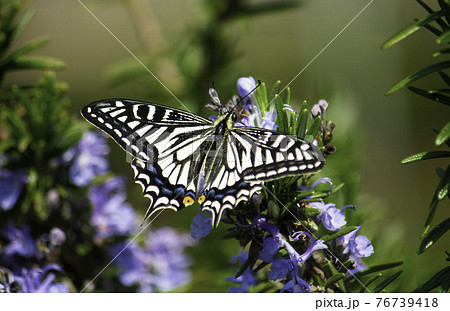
column 179, row 158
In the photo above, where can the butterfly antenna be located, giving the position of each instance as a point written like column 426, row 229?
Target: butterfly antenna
column 242, row 99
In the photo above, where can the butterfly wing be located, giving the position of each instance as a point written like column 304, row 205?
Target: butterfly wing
column 250, row 156
column 223, row 186
column 137, row 126
column 263, row 155
column 177, row 157
column 166, row 147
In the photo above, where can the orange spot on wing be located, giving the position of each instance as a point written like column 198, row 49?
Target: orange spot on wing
column 188, row 200
column 201, row 199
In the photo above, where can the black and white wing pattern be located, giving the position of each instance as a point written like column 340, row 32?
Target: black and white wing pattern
column 179, row 158
column 266, row 155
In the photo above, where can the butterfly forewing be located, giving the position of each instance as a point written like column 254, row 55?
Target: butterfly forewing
column 136, row 125
column 265, row 155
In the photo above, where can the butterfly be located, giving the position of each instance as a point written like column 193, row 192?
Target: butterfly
column 179, row 157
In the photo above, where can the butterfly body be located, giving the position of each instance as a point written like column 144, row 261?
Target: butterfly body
column 179, row 158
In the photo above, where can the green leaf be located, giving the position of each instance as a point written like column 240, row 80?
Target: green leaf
column 313, row 129
column 322, row 194
column 342, row 231
column 312, row 212
column 386, row 282
column 6, row 144
column 268, row 7
column 437, row 97
column 331, row 269
column 273, row 209
column 334, row 279
column 439, row 194
column 434, row 235
column 263, row 95
column 377, row 268
column 443, row 135
column 426, row 156
column 244, row 267
column 419, row 74
column 275, row 90
column 445, row 285
column 25, row 49
column 425, row 6
column 434, row 281
column 370, row 281
column 23, row 22
column 37, row 62
column 402, row 34
column 431, row 28
column 311, row 224
column 302, row 121
column 444, row 38
column 287, row 96
column 283, row 122
column 444, row 76
column 441, row 52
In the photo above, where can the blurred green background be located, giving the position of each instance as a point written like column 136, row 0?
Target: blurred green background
column 373, row 133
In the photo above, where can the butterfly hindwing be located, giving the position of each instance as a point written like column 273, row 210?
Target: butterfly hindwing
column 159, row 190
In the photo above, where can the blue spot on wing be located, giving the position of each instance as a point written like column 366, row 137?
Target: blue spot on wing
column 158, row 182
column 179, row 191
column 167, row 192
column 152, row 169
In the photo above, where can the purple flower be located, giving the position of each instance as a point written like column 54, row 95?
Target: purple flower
column 200, row 226
column 270, row 248
column 131, row 260
column 268, row 121
column 111, row 215
column 292, row 287
column 21, row 242
column 254, row 119
column 11, row 184
column 159, row 266
column 245, row 86
column 331, row 217
column 245, row 280
column 57, row 237
column 249, row 120
column 314, row 246
column 334, row 219
column 279, row 269
column 295, row 259
column 290, row 108
column 359, row 246
column 165, row 248
column 322, row 207
column 87, row 159
column 324, row 180
column 41, row 280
